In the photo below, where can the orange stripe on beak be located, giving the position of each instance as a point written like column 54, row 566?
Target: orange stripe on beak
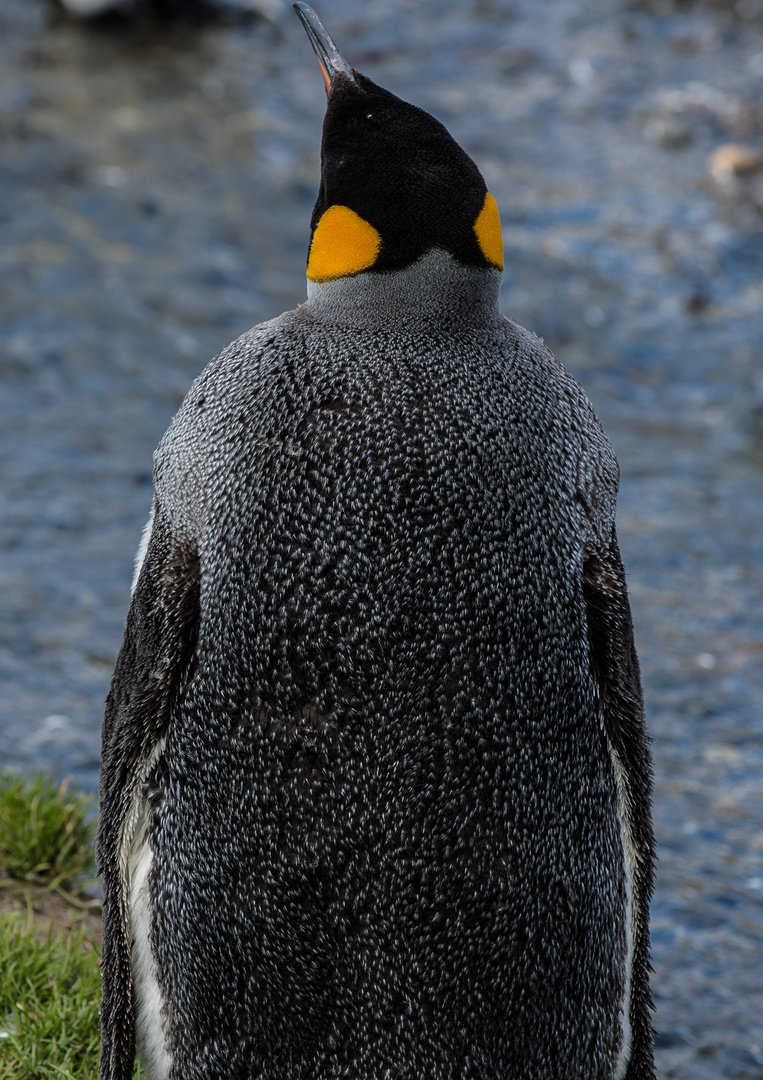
column 325, row 74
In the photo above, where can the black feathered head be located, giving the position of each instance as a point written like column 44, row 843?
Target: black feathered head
column 394, row 183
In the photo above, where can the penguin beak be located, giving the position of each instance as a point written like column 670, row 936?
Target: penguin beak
column 330, row 60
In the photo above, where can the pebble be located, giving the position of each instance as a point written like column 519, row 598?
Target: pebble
column 733, row 161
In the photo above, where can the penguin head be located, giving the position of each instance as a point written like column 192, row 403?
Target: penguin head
column 395, row 185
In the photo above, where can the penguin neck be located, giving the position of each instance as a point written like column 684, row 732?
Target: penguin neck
column 434, row 293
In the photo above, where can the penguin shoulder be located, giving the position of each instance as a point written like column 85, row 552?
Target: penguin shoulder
column 217, row 418
column 595, row 471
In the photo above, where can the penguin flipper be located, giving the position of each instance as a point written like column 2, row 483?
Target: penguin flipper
column 152, row 667
column 615, row 671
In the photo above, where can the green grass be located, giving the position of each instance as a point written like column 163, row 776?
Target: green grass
column 50, row 986
column 50, row 991
column 49, row 996
column 46, row 831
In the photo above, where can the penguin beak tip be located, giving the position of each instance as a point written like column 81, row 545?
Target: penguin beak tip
column 330, row 60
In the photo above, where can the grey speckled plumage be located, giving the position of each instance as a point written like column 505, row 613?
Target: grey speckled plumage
column 385, row 825
column 375, row 778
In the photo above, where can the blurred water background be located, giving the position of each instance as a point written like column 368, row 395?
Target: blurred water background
column 156, row 184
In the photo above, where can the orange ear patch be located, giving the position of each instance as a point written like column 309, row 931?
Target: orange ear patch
column 487, row 229
column 343, row 243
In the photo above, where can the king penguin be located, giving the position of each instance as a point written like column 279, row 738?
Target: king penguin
column 375, row 788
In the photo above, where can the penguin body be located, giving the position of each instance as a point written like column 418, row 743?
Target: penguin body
column 375, row 777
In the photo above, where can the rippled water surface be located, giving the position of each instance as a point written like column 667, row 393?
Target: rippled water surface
column 155, row 192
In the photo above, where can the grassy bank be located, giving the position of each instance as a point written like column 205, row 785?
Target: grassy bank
column 50, row 932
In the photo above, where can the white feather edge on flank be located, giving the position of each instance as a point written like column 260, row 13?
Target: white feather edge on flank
column 147, row 995
column 140, row 554
column 630, row 861
column 135, row 860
